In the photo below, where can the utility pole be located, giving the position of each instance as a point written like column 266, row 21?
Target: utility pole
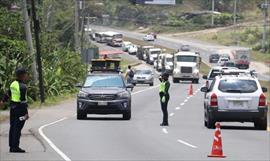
column 38, row 51
column 234, row 12
column 76, row 22
column 265, row 7
column 213, row 10
column 28, row 34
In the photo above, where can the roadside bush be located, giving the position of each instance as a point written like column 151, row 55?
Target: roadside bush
column 223, row 18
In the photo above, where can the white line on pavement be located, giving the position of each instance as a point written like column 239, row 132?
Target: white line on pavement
column 187, row 144
column 177, row 108
column 171, row 114
column 165, row 130
column 182, row 104
column 40, row 130
column 185, row 100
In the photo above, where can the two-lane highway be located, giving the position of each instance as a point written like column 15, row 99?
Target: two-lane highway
column 141, row 138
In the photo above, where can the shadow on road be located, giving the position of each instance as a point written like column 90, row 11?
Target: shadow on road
column 104, row 119
column 239, row 128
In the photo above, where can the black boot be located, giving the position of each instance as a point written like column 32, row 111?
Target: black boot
column 16, row 150
column 164, row 124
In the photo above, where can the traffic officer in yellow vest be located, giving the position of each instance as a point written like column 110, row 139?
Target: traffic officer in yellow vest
column 164, row 97
column 18, row 109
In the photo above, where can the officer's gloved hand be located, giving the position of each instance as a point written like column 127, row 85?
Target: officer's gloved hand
column 163, row 99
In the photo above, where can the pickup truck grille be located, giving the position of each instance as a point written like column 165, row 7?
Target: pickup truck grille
column 102, row 97
column 186, row 69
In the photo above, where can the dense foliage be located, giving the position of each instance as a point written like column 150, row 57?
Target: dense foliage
column 62, row 67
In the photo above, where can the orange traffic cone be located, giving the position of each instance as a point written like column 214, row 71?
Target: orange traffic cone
column 190, row 92
column 217, row 144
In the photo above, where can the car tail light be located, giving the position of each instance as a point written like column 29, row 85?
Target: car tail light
column 262, row 100
column 213, row 101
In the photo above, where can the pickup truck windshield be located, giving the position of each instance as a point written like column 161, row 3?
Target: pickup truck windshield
column 169, row 59
column 186, row 58
column 237, row 86
column 155, row 52
column 104, row 81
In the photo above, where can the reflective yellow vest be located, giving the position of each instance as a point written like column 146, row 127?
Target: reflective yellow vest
column 15, row 91
column 162, row 87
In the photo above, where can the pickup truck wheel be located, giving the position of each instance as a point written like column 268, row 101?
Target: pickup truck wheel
column 210, row 121
column 127, row 115
column 261, row 124
column 151, row 84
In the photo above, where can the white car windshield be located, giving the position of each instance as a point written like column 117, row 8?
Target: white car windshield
column 186, row 58
column 237, row 86
column 104, row 81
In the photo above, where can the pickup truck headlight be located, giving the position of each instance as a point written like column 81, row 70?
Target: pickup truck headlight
column 82, row 94
column 123, row 95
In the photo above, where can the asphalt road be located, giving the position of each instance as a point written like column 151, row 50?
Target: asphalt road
column 141, row 138
column 205, row 49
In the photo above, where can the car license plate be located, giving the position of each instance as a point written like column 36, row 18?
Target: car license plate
column 238, row 104
column 102, row 103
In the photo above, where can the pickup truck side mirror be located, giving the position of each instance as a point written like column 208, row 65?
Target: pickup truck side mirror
column 264, row 89
column 204, row 89
column 204, row 76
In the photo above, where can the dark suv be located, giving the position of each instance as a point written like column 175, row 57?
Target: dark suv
column 104, row 94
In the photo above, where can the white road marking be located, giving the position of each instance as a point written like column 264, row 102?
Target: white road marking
column 40, row 130
column 182, row 104
column 187, row 144
column 177, row 108
column 165, row 130
column 144, row 90
column 171, row 114
column 185, row 100
column 188, row 97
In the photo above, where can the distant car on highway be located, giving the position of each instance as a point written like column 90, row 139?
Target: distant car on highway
column 185, row 48
column 229, row 64
column 154, row 34
column 222, row 61
column 132, row 49
column 235, row 98
column 149, row 37
column 214, row 71
column 213, row 58
column 144, row 76
column 126, row 45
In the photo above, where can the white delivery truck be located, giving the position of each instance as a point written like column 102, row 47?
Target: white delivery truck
column 186, row 67
column 240, row 56
column 152, row 55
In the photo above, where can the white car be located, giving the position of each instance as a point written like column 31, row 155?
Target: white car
column 235, row 98
column 126, row 45
column 132, row 50
column 144, row 76
column 149, row 38
column 222, row 61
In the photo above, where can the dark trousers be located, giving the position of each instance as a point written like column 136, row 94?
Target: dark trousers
column 16, row 125
column 164, row 108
